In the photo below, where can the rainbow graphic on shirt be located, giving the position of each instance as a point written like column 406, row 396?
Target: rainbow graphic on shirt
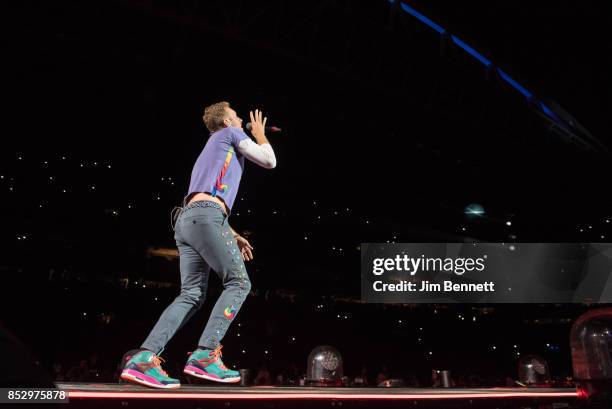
column 230, row 312
column 219, row 185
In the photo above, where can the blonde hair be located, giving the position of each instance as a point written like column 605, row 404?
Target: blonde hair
column 214, row 115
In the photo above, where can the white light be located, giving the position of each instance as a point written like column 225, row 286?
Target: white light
column 508, row 223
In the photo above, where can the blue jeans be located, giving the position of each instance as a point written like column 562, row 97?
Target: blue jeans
column 204, row 241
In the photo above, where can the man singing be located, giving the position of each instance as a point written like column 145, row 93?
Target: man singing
column 205, row 240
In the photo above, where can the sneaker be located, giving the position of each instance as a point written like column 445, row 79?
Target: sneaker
column 144, row 368
column 207, row 364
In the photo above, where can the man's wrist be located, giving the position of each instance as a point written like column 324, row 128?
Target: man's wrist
column 261, row 139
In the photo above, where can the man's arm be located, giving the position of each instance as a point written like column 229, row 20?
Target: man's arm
column 261, row 152
column 263, row 155
column 234, row 232
column 244, row 246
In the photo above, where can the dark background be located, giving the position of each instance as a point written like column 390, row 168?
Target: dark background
column 389, row 133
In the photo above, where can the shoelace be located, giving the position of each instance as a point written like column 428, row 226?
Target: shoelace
column 214, row 356
column 156, row 362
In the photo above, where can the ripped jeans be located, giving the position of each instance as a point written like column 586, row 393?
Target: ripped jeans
column 204, row 241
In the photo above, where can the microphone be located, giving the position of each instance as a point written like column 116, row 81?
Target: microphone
column 267, row 129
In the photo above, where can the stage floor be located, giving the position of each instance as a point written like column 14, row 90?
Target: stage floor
column 251, row 396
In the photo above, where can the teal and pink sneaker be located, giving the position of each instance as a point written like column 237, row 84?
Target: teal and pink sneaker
column 207, row 364
column 144, row 368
